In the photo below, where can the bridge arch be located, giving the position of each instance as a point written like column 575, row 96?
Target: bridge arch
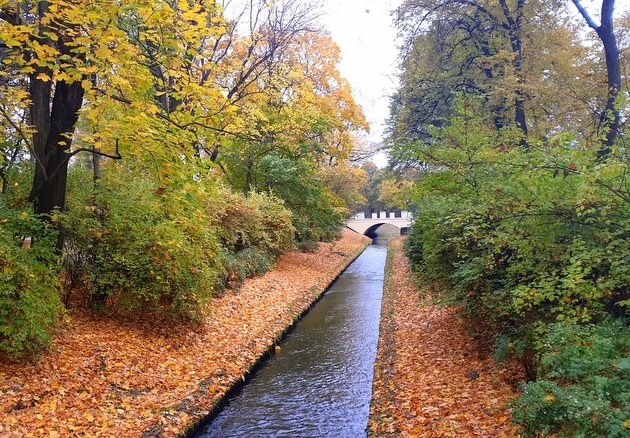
column 388, row 230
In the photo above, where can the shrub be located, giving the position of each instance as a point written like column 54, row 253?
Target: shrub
column 30, row 302
column 246, row 263
column 533, row 245
column 150, row 246
column 584, row 390
column 308, row 246
column 521, row 237
column 317, row 212
column 259, row 220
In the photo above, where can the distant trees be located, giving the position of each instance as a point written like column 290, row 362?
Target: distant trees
column 470, row 37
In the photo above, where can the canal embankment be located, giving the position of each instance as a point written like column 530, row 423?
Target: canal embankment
column 429, row 378
column 107, row 378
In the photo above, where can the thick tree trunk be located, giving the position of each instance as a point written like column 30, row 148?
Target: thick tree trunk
column 249, row 180
column 519, row 116
column 40, row 93
column 513, row 27
column 49, row 188
column 53, row 125
column 613, row 69
column 606, row 33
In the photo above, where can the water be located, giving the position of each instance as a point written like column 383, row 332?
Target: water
column 320, row 383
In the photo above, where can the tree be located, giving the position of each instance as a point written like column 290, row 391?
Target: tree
column 58, row 56
column 606, row 33
column 483, row 29
column 301, row 109
column 465, row 47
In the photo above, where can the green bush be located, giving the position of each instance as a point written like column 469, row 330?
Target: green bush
column 532, row 243
column 258, row 220
column 317, row 213
column 584, row 390
column 148, row 246
column 521, row 236
column 246, row 263
column 254, row 230
column 30, row 302
column 308, row 246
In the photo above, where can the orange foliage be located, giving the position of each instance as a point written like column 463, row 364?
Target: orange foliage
column 108, row 377
column 429, row 380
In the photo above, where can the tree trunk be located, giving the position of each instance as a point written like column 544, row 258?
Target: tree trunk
column 606, row 33
column 40, row 93
column 513, row 27
column 96, row 168
column 249, row 181
column 49, row 188
column 529, row 364
column 53, row 125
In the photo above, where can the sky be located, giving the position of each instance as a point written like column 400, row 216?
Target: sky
column 364, row 32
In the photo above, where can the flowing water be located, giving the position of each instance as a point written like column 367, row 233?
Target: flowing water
column 320, row 383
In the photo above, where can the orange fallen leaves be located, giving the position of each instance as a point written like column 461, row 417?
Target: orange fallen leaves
column 107, row 377
column 429, row 380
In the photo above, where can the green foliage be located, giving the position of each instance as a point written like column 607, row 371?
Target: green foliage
column 258, row 220
column 528, row 241
column 148, row 246
column 29, row 283
column 585, row 385
column 254, row 230
column 308, row 246
column 317, row 212
column 522, row 236
column 246, row 263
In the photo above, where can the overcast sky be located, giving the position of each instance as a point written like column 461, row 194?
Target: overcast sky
column 364, row 32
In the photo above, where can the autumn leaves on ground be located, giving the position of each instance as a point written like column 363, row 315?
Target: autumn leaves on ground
column 107, row 378
column 111, row 378
column 429, row 380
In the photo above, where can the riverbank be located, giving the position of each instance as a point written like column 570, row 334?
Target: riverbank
column 109, row 377
column 429, row 380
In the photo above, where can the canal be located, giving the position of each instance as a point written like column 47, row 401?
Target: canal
column 319, row 383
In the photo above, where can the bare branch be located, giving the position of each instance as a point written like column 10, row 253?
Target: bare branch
column 24, row 137
column 69, row 155
column 586, row 15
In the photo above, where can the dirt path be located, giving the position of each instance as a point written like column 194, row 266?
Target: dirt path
column 108, row 377
column 429, row 380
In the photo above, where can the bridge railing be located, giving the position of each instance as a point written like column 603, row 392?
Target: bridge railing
column 383, row 215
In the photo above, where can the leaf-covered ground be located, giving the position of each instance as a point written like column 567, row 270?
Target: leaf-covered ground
column 107, row 377
column 429, row 379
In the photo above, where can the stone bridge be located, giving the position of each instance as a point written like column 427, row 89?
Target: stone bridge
column 392, row 222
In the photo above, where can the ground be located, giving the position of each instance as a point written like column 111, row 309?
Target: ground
column 107, row 377
column 429, row 378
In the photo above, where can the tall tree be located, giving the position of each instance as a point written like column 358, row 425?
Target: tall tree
column 484, row 28
column 606, row 33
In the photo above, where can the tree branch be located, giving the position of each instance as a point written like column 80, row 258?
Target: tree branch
column 586, row 15
column 24, row 137
column 69, row 155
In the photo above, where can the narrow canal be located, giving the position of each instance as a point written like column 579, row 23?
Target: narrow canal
column 319, row 383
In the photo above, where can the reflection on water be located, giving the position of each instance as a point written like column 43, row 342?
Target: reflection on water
column 319, row 384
